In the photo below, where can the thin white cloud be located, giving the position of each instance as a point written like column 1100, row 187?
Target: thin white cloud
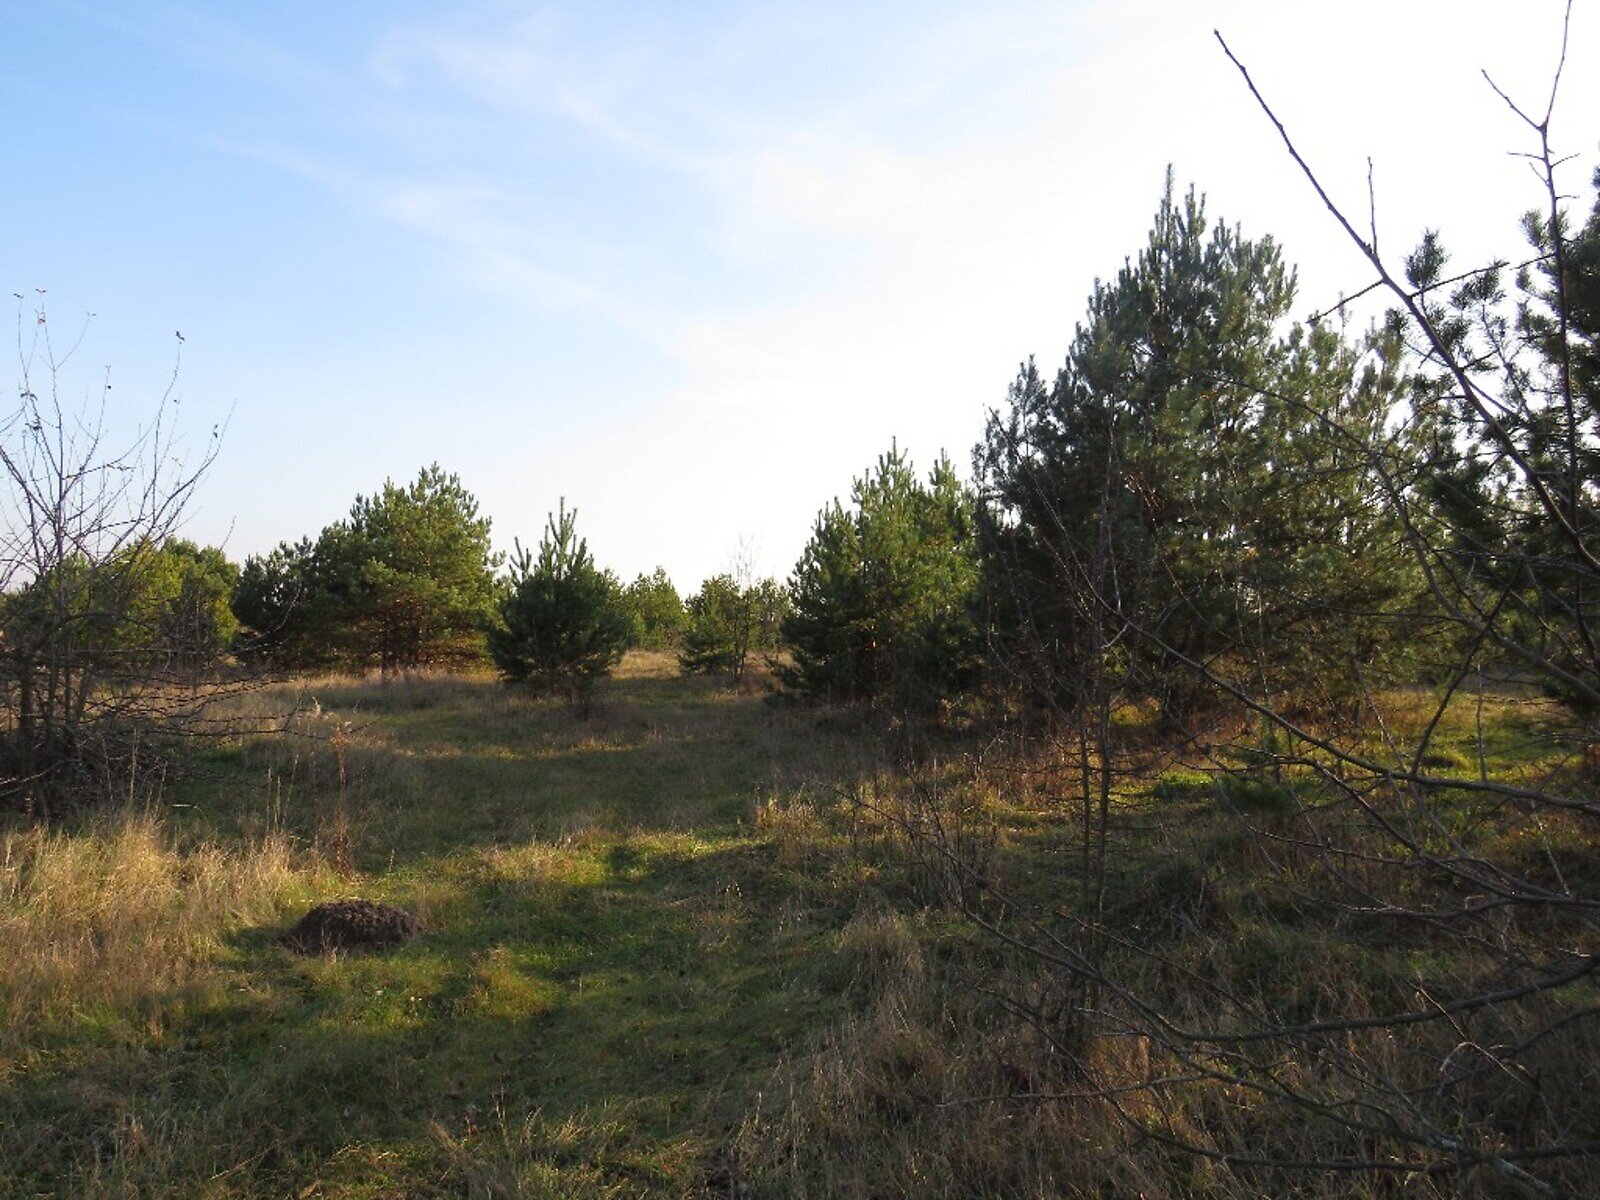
column 965, row 257
column 842, row 233
column 528, row 68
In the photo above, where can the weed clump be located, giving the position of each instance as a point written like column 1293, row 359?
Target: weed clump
column 116, row 916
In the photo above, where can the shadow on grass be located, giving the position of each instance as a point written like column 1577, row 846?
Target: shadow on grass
column 614, row 959
column 635, row 1005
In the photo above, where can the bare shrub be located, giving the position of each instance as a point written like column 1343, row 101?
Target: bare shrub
column 87, row 675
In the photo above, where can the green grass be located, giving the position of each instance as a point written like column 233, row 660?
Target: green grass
column 614, row 960
column 665, row 954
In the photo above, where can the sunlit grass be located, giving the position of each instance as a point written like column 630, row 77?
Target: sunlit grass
column 604, row 973
column 683, row 947
column 113, row 918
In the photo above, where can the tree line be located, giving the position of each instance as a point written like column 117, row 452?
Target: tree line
column 880, row 605
column 1204, row 494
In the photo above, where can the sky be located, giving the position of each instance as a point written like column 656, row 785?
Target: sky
column 694, row 266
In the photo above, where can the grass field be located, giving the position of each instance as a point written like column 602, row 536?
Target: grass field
column 616, row 954
column 663, row 954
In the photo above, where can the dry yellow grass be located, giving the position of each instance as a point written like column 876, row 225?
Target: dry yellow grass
column 937, row 1084
column 116, row 916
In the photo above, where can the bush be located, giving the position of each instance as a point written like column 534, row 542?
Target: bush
column 97, row 599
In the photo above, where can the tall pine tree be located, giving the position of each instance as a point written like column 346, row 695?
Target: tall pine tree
column 1194, row 486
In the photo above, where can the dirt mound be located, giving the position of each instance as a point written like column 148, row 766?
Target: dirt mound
column 351, row 925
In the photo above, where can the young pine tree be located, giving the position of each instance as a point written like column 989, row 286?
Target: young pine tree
column 726, row 621
column 881, row 600
column 658, row 612
column 563, row 622
column 1195, row 485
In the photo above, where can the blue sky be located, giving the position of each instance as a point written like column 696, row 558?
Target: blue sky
column 690, row 266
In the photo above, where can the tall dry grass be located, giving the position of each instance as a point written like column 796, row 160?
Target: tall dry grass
column 114, row 916
column 957, row 1073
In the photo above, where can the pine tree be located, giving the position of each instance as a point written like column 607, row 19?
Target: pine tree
column 1196, row 483
column 563, row 623
column 880, row 602
column 658, row 611
column 726, row 621
column 407, row 580
column 418, row 574
column 287, row 613
column 1509, row 402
